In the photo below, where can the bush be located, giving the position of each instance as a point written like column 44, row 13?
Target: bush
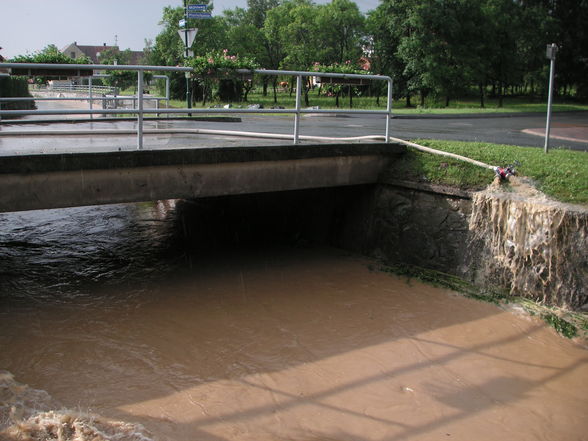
column 15, row 87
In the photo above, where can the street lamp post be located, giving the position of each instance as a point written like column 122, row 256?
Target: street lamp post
column 188, row 96
column 551, row 52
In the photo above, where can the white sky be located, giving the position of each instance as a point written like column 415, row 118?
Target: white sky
column 27, row 26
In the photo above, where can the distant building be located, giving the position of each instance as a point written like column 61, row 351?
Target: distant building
column 74, row 50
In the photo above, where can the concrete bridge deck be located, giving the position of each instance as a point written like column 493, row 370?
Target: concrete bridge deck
column 32, row 182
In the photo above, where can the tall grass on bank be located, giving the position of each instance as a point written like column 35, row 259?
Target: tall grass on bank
column 561, row 174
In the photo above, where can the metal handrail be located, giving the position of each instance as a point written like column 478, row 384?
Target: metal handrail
column 95, row 67
column 74, row 88
column 141, row 111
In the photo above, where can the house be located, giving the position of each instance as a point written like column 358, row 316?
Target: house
column 74, row 50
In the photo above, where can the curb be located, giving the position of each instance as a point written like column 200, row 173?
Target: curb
column 98, row 120
column 484, row 115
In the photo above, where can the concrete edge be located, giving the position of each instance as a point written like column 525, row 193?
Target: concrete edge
column 47, row 163
column 229, row 119
column 430, row 188
column 483, row 115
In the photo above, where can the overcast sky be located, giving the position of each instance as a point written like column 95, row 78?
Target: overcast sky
column 27, row 26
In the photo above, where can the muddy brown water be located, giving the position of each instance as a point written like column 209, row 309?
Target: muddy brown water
column 114, row 311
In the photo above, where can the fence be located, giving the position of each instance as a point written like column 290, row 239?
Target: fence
column 77, row 88
column 140, row 110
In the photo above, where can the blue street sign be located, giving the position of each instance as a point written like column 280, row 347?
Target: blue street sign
column 197, row 8
column 199, row 15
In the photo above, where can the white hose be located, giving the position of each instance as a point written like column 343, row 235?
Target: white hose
column 442, row 153
column 244, row 134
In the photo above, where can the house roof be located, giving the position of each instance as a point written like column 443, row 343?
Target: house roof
column 93, row 51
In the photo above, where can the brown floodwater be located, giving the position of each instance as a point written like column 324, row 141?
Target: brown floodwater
column 115, row 311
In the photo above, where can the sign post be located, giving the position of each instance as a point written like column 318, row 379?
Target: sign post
column 191, row 37
column 551, row 52
column 188, row 96
column 191, row 11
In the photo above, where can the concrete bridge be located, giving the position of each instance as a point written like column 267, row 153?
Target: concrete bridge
column 31, row 182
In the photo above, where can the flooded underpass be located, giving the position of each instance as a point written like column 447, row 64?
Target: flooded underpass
column 212, row 320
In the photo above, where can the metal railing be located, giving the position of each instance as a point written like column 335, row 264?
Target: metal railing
column 140, row 110
column 76, row 88
column 108, row 95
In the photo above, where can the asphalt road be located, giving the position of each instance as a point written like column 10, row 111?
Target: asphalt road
column 495, row 129
column 492, row 128
column 488, row 128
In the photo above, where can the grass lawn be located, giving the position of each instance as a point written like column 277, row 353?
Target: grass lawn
column 561, row 174
column 471, row 105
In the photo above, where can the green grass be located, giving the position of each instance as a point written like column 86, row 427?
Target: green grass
column 510, row 105
column 561, row 174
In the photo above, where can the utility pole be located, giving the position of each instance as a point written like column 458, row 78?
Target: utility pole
column 188, row 96
column 551, row 52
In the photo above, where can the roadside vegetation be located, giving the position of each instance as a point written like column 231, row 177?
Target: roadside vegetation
column 324, row 101
column 15, row 87
column 447, row 56
column 487, row 50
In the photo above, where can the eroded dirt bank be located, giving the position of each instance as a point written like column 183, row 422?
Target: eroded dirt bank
column 534, row 246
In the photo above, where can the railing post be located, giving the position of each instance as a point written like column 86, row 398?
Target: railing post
column 297, row 115
column 388, row 110
column 167, row 93
column 140, row 114
column 90, row 93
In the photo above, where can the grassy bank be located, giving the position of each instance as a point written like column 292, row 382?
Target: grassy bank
column 561, row 174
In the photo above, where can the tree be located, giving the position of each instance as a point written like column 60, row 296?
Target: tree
column 118, row 78
column 571, row 36
column 247, row 37
column 444, row 47
column 387, row 25
column 299, row 35
column 341, row 27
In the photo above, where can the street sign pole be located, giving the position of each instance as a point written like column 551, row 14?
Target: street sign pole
column 188, row 96
column 551, row 52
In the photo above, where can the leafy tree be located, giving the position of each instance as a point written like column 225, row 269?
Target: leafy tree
column 502, row 52
column 49, row 54
column 340, row 26
column 387, row 25
column 118, row 78
column 246, row 35
column 276, row 20
column 571, row 18
column 299, row 35
column 443, row 49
